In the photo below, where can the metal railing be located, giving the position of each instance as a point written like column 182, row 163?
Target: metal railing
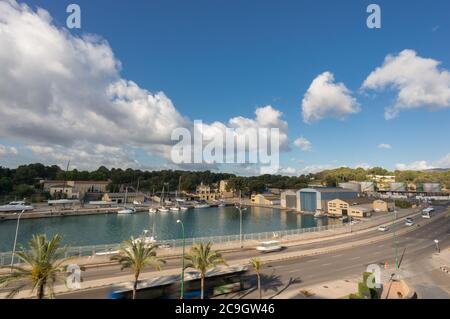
column 95, row 250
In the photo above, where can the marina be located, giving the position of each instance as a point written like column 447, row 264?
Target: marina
column 114, row 228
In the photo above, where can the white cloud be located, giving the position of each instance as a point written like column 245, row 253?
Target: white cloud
column 414, row 166
column 311, row 169
column 419, row 82
column 443, row 162
column 66, row 93
column 8, row 150
column 385, row 146
column 325, row 98
column 364, row 166
column 303, row 143
column 289, row 171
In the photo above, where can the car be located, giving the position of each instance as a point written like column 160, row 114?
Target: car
column 269, row 246
column 383, row 228
column 409, row 223
column 409, row 219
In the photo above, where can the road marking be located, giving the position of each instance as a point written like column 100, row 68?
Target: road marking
column 354, row 258
column 336, row 256
column 329, row 264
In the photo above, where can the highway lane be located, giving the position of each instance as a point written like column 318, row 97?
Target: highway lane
column 300, row 272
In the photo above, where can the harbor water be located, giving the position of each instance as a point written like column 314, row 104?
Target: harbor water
column 113, row 228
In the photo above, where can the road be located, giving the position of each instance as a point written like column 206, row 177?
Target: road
column 300, row 272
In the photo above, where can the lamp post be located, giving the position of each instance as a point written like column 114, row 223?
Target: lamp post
column 436, row 241
column 239, row 207
column 15, row 239
column 182, row 263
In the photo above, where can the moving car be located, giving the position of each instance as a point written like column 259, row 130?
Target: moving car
column 269, row 246
column 383, row 228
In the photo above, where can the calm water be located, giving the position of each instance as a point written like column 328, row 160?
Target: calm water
column 110, row 229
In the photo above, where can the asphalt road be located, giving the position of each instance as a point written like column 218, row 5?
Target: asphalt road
column 305, row 271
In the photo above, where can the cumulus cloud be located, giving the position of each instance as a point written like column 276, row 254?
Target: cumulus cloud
column 326, row 98
column 419, row 82
column 64, row 95
column 385, row 146
column 8, row 150
column 303, row 143
column 414, row 166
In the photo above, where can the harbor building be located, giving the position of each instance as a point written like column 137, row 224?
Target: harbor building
column 312, row 200
column 119, row 198
column 288, row 199
column 74, row 189
column 206, row 192
column 349, row 207
column 266, row 199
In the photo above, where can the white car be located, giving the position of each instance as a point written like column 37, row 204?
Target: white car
column 409, row 223
column 383, row 228
column 269, row 246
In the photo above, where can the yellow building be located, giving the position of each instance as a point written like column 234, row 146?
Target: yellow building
column 339, row 207
column 265, row 199
column 223, row 190
column 380, row 205
column 206, row 192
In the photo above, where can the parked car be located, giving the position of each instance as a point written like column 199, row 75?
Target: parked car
column 409, row 223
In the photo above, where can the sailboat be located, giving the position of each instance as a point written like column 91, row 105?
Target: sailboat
column 163, row 209
column 125, row 210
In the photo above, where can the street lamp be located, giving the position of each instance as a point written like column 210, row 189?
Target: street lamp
column 182, row 263
column 15, row 239
column 437, row 246
column 240, row 220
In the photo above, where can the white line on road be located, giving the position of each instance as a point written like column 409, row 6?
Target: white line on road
column 336, row 256
column 354, row 258
column 329, row 264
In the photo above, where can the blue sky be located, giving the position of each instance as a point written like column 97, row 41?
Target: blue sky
column 217, row 60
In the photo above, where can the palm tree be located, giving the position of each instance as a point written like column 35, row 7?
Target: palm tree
column 136, row 254
column 202, row 258
column 257, row 266
column 43, row 266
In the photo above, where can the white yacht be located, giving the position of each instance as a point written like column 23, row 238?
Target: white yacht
column 175, row 209
column 16, row 207
column 127, row 211
column 198, row 206
column 153, row 210
column 184, row 208
column 163, row 209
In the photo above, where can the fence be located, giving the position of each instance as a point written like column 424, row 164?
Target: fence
column 85, row 251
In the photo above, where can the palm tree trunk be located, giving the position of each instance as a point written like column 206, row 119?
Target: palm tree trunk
column 40, row 292
column 259, row 285
column 136, row 279
column 202, row 286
